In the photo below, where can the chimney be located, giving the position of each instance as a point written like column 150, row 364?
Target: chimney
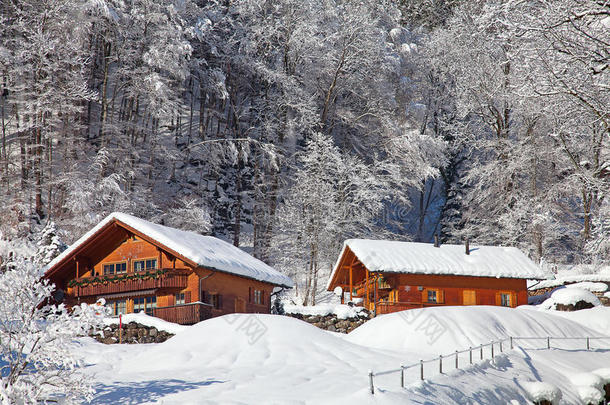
column 467, row 247
column 436, row 241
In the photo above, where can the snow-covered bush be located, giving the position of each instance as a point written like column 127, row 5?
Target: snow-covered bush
column 37, row 362
column 589, row 387
column 541, row 391
column 570, row 296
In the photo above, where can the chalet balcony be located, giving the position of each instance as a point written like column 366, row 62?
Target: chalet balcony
column 184, row 314
column 126, row 282
column 387, row 307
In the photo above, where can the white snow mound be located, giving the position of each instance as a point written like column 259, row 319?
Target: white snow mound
column 587, row 380
column 440, row 330
column 342, row 311
column 590, row 286
column 570, row 296
column 590, row 395
column 147, row 320
column 538, row 391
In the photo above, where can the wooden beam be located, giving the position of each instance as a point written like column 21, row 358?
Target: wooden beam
column 375, row 296
column 366, row 297
column 351, row 286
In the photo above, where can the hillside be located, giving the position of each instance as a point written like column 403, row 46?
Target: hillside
column 275, row 359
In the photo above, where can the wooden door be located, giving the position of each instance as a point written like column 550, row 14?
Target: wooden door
column 240, row 305
column 470, row 297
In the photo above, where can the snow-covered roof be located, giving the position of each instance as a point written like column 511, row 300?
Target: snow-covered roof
column 563, row 279
column 205, row 251
column 424, row 258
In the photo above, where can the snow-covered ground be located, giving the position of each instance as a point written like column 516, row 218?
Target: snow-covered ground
column 245, row 358
column 341, row 311
column 147, row 320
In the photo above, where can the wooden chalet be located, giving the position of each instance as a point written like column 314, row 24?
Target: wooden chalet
column 390, row 276
column 179, row 276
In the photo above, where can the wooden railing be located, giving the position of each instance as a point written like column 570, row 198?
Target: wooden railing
column 173, row 278
column 184, row 314
column 387, row 307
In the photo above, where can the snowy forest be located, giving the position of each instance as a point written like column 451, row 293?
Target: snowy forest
column 287, row 126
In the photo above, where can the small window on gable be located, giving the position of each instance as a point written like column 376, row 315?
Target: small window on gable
column 108, row 269
column 144, row 265
column 114, row 268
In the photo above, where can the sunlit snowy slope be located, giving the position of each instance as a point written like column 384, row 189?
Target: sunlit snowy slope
column 247, row 359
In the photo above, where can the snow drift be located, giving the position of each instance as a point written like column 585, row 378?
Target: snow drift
column 440, row 330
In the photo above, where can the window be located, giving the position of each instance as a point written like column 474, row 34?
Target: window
column 118, row 307
column 433, row 296
column 139, row 305
column 506, row 299
column 256, row 296
column 115, row 268
column 180, row 299
column 141, row 265
column 151, row 303
column 146, row 304
column 216, row 301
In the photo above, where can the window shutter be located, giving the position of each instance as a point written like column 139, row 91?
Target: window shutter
column 187, row 297
column 440, row 296
column 513, row 300
column 172, row 300
column 203, row 297
column 424, row 295
column 219, row 301
column 498, row 298
column 250, row 295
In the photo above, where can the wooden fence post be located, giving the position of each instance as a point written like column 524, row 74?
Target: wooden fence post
column 500, row 346
column 470, row 349
column 456, row 359
column 511, row 343
column 402, row 376
column 588, row 346
column 548, row 342
column 421, row 370
column 492, row 349
column 481, row 352
column 371, row 382
column 440, row 364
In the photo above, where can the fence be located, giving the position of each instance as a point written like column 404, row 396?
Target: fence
column 472, row 354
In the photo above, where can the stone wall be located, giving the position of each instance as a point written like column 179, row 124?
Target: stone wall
column 332, row 323
column 132, row 333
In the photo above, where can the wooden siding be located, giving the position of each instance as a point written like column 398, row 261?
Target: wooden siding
column 118, row 245
column 391, row 292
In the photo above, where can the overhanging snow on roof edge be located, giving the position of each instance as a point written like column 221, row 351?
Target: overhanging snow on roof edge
column 424, row 258
column 206, row 251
